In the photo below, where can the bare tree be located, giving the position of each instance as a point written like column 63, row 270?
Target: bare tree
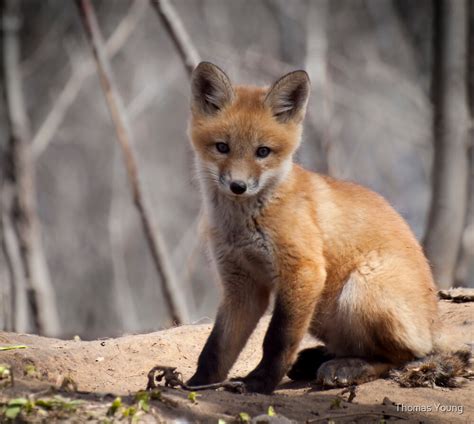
column 19, row 210
column 451, row 121
column 465, row 266
column 176, row 305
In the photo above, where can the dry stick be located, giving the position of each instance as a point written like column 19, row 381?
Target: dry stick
column 124, row 137
column 23, row 215
column 173, row 379
column 178, row 33
column 458, row 295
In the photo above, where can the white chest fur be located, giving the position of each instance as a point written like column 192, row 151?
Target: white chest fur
column 241, row 247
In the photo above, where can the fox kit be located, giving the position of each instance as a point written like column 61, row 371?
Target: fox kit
column 341, row 263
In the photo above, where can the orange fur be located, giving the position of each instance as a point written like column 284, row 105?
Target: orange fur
column 342, row 263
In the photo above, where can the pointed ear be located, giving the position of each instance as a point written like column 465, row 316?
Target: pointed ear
column 288, row 97
column 211, row 89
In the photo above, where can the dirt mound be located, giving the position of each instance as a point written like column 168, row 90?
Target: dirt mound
column 103, row 369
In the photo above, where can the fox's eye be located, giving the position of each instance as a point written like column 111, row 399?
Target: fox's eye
column 222, row 147
column 263, row 152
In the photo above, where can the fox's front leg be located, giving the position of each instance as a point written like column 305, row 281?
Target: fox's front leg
column 238, row 314
column 296, row 298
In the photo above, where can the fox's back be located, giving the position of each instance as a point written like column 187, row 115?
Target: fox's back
column 356, row 222
column 349, row 219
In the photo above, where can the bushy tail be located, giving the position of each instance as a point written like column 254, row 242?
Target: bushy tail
column 438, row 369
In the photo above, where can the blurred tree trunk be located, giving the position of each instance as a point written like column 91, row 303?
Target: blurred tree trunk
column 313, row 152
column 451, row 121
column 20, row 224
column 465, row 266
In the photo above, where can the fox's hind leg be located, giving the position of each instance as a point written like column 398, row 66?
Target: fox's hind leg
column 379, row 319
column 308, row 362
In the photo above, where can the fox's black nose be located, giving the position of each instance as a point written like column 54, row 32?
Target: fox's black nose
column 238, row 187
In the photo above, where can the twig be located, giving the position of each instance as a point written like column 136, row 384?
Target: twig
column 124, row 137
column 25, row 220
column 174, row 379
column 458, row 295
column 71, row 89
column 178, row 33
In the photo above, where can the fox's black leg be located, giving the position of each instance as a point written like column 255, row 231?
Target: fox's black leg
column 236, row 319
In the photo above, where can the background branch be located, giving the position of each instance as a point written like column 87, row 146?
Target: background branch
column 79, row 73
column 23, row 208
column 176, row 30
column 155, row 242
column 16, row 314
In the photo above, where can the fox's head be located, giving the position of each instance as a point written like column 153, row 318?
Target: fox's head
column 244, row 136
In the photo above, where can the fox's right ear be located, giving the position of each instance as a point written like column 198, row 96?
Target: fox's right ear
column 211, row 89
column 288, row 97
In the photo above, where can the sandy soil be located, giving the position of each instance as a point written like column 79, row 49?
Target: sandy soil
column 103, row 369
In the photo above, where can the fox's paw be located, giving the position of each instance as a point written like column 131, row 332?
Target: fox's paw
column 343, row 372
column 257, row 383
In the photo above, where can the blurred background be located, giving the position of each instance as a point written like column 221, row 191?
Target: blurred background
column 391, row 108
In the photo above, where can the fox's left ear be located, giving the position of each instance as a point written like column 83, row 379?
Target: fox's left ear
column 288, row 97
column 211, row 89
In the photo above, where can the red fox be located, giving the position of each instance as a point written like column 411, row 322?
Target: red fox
column 341, row 263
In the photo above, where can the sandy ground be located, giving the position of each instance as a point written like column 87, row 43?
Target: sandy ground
column 103, row 369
